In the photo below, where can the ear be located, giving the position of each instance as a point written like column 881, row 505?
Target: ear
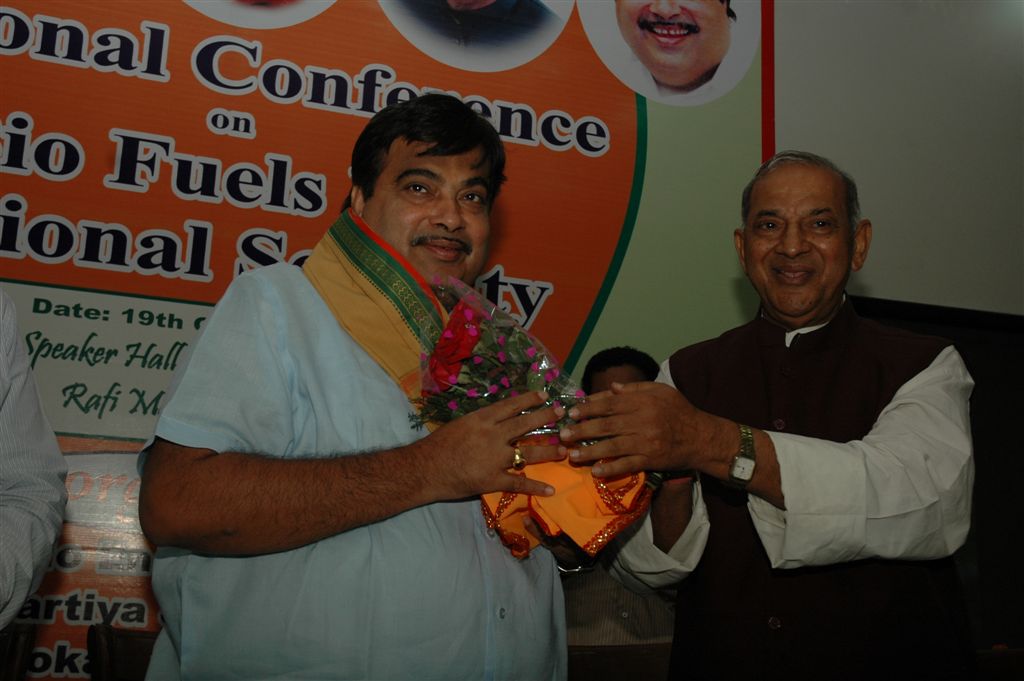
column 861, row 244
column 737, row 239
column 358, row 200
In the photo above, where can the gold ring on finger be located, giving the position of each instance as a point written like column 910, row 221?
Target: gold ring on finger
column 518, row 460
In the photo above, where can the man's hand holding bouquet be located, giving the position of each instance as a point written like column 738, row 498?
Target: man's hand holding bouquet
column 483, row 356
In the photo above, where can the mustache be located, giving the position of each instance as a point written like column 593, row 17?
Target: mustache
column 449, row 241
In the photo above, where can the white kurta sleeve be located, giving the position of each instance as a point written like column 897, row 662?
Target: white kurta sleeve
column 32, row 471
column 641, row 565
column 902, row 492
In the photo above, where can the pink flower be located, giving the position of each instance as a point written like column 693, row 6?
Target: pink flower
column 505, row 382
column 491, row 390
column 472, row 392
column 477, row 359
column 501, row 356
column 531, row 351
column 580, row 394
column 501, row 340
column 453, row 405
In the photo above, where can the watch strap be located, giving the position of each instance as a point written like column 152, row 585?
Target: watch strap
column 746, row 452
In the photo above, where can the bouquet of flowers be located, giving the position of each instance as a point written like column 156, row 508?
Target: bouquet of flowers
column 483, row 356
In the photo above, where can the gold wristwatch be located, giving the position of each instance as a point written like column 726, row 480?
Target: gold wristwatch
column 743, row 464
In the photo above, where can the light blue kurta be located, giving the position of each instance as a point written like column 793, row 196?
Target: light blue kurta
column 428, row 594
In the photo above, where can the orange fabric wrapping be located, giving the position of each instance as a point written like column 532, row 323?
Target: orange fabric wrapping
column 591, row 512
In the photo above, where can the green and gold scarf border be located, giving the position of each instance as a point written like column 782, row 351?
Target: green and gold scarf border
column 389, row 273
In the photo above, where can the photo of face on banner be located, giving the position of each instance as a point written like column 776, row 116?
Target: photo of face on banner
column 261, row 14
column 679, row 52
column 480, row 35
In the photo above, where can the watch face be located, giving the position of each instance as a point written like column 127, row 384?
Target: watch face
column 742, row 469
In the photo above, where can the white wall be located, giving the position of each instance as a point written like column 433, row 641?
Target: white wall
column 923, row 103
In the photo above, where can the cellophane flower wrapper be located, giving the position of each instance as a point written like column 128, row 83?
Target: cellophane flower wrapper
column 483, row 356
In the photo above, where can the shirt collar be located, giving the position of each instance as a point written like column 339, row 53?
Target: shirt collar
column 790, row 335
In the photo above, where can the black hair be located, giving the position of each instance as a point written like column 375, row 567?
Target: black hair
column 617, row 357
column 443, row 121
column 808, row 159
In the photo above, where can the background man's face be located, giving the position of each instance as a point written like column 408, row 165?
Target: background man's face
column 681, row 42
column 433, row 210
column 796, row 247
column 626, row 373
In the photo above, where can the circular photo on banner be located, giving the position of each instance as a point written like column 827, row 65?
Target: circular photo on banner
column 480, row 35
column 679, row 52
column 260, row 13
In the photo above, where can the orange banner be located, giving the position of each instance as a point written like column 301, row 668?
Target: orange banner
column 151, row 152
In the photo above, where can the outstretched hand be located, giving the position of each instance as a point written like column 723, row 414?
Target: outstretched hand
column 641, row 426
column 472, row 455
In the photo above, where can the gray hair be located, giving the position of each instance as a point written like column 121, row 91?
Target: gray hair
column 806, row 158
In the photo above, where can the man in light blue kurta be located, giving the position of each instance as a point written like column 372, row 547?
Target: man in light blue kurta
column 428, row 594
column 423, row 590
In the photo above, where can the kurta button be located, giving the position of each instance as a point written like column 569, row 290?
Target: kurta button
column 501, row 613
column 779, row 424
column 774, row 623
column 624, row 614
column 490, row 532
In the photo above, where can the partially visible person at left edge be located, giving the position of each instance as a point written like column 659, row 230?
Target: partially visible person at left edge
column 32, row 472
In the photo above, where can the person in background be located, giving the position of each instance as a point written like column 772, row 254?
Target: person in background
column 834, row 457
column 306, row 528
column 615, row 633
column 32, row 473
